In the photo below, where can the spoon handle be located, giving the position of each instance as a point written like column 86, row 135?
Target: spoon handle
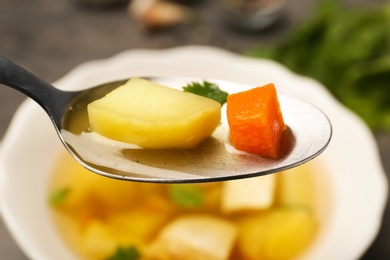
column 51, row 99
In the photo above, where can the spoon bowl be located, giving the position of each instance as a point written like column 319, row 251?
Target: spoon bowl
column 308, row 134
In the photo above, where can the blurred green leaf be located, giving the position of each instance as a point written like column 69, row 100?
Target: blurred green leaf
column 125, row 253
column 186, row 195
column 58, row 196
column 348, row 51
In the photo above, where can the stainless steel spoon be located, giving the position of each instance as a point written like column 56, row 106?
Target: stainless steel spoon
column 309, row 132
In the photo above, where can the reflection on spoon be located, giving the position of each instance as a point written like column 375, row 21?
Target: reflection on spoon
column 214, row 159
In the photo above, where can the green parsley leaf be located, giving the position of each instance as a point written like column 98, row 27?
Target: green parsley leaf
column 186, row 196
column 207, row 89
column 58, row 196
column 125, row 253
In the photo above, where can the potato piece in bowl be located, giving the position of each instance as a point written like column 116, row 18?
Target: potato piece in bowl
column 248, row 194
column 98, row 240
column 101, row 238
column 278, row 234
column 295, row 187
column 195, row 237
column 91, row 192
column 150, row 115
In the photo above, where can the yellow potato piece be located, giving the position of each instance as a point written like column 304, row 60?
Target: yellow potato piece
column 136, row 227
column 296, row 187
column 195, row 237
column 278, row 234
column 150, row 115
column 99, row 241
column 88, row 190
column 248, row 194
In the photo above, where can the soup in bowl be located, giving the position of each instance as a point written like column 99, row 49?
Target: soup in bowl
column 275, row 216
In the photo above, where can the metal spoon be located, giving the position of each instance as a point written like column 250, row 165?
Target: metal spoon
column 309, row 132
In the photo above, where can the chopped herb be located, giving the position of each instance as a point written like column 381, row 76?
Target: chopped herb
column 186, row 196
column 207, row 89
column 58, row 196
column 125, row 253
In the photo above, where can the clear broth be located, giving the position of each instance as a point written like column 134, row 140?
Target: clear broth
column 95, row 199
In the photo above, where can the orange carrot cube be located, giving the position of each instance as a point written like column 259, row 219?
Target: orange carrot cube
column 256, row 122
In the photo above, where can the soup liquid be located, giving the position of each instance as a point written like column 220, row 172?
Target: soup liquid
column 99, row 214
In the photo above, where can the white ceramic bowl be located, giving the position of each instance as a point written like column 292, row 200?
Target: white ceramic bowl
column 352, row 181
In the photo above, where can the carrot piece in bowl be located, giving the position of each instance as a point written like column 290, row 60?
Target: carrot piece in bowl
column 256, row 122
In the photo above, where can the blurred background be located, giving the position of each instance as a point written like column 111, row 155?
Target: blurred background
column 339, row 43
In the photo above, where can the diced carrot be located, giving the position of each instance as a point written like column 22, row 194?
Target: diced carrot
column 256, row 122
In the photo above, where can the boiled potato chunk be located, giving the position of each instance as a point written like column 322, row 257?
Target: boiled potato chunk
column 278, row 234
column 91, row 192
column 195, row 237
column 296, row 187
column 138, row 223
column 248, row 194
column 150, row 115
column 99, row 241
column 101, row 238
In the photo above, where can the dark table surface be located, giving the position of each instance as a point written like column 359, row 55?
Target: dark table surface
column 50, row 37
